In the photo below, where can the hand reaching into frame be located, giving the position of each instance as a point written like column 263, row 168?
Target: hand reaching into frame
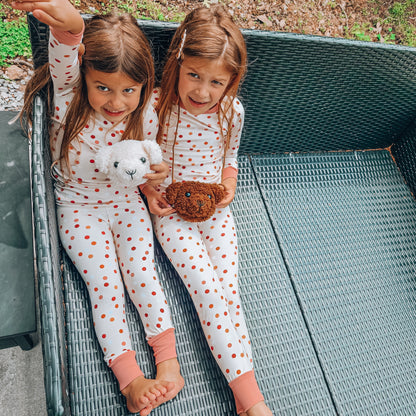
column 58, row 14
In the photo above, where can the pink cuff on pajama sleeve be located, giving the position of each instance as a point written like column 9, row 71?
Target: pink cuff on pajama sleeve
column 246, row 392
column 126, row 369
column 67, row 38
column 164, row 345
column 229, row 172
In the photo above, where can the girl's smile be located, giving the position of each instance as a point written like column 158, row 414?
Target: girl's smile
column 113, row 95
column 202, row 83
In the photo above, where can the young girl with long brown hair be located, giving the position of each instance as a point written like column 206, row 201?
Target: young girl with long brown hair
column 100, row 92
column 201, row 121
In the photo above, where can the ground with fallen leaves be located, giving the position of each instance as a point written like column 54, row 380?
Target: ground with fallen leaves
column 355, row 19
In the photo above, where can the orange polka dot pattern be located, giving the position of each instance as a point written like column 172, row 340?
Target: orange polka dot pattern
column 112, row 247
column 205, row 256
column 105, row 229
column 199, row 147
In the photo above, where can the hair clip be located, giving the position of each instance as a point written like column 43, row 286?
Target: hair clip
column 182, row 43
column 225, row 47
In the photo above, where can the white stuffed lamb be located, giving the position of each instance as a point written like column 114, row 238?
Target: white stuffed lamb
column 126, row 162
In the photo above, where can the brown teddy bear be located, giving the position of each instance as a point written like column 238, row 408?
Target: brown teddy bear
column 194, row 201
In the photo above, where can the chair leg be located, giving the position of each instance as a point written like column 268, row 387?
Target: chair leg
column 25, row 342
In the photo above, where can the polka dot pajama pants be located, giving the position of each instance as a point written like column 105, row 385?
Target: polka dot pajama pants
column 205, row 256
column 112, row 247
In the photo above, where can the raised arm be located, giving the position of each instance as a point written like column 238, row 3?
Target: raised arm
column 58, row 14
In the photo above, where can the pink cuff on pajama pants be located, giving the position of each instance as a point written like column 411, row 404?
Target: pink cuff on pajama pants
column 126, row 369
column 164, row 346
column 246, row 392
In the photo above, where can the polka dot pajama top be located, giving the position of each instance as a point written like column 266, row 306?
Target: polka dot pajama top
column 105, row 229
column 205, row 254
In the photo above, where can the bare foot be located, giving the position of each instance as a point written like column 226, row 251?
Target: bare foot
column 169, row 370
column 259, row 409
column 142, row 394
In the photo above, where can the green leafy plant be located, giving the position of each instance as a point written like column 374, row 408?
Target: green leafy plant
column 399, row 18
column 390, row 38
column 15, row 41
column 359, row 32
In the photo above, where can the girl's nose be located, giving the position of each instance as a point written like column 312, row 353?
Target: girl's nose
column 203, row 91
column 116, row 101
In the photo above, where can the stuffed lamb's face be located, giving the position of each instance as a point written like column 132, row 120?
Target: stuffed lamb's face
column 126, row 162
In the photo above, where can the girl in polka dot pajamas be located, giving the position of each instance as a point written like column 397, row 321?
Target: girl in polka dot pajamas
column 101, row 95
column 200, row 132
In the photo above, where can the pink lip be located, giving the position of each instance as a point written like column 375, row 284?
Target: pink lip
column 113, row 114
column 196, row 103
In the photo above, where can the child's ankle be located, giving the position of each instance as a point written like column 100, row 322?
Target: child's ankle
column 259, row 409
column 170, row 366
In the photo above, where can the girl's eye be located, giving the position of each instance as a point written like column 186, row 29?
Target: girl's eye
column 187, row 194
column 116, row 164
column 102, row 88
column 129, row 90
column 219, row 83
column 143, row 159
column 193, row 75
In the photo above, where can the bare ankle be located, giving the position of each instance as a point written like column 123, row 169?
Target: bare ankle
column 168, row 368
column 259, row 409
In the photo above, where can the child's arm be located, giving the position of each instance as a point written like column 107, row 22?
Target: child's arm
column 58, row 14
column 230, row 166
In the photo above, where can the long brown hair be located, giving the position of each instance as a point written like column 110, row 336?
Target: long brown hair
column 113, row 43
column 211, row 34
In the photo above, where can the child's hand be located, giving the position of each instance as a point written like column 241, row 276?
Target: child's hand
column 156, row 202
column 230, row 185
column 161, row 172
column 59, row 14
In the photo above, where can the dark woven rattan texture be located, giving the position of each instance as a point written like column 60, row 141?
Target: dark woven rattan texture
column 404, row 152
column 287, row 369
column 347, row 226
column 320, row 94
column 48, row 262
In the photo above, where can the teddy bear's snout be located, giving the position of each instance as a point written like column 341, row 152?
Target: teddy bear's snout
column 131, row 172
column 200, row 203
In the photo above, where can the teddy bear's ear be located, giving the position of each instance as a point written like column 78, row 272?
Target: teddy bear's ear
column 102, row 159
column 218, row 191
column 172, row 192
column 153, row 151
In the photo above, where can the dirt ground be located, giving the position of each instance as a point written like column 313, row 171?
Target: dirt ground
column 362, row 19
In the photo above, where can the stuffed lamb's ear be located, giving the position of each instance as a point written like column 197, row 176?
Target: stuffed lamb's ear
column 102, row 159
column 153, row 151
